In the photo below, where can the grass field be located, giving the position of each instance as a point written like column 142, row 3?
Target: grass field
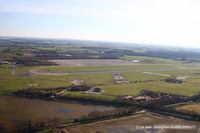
column 13, row 82
column 10, row 82
column 139, row 76
column 192, row 108
column 101, row 68
column 192, row 72
column 185, row 89
column 91, row 79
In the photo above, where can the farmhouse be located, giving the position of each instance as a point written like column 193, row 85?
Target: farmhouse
column 97, row 90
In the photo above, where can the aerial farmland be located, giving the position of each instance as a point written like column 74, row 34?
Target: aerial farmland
column 58, row 86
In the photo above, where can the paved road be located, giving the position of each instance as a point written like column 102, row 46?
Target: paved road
column 36, row 72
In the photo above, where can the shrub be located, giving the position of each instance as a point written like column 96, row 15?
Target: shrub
column 80, row 88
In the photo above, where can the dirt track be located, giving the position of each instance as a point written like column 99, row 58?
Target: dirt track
column 36, row 72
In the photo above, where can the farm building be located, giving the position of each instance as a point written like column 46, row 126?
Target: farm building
column 96, row 90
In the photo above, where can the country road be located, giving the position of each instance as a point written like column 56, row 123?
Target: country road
column 36, row 72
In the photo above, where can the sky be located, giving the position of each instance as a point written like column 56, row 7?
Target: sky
column 163, row 22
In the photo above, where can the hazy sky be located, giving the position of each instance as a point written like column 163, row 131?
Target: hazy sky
column 173, row 22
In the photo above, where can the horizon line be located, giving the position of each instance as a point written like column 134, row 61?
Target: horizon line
column 108, row 41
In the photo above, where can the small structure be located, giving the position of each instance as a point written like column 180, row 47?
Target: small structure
column 3, row 62
column 94, row 90
column 135, row 61
column 137, row 98
column 77, row 82
column 32, row 84
column 183, row 77
column 127, row 97
column 119, row 78
column 97, row 90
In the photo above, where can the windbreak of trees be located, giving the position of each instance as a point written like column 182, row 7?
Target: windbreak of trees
column 35, row 93
column 173, row 80
column 39, row 93
column 97, row 115
column 31, row 61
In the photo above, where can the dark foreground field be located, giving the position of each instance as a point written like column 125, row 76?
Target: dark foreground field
column 16, row 111
column 136, row 124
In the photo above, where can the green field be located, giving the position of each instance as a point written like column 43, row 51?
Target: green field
column 185, row 88
column 139, row 76
column 101, row 68
column 91, row 79
column 192, row 72
column 12, row 82
column 191, row 108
